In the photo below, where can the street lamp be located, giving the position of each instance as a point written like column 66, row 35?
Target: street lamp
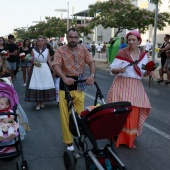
column 25, row 28
column 65, row 10
column 37, row 21
column 155, row 30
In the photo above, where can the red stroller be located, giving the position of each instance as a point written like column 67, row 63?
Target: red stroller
column 103, row 122
column 10, row 148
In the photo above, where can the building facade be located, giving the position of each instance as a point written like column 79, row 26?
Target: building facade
column 101, row 35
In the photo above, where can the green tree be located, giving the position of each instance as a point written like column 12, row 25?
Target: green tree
column 36, row 30
column 122, row 14
column 21, row 33
column 82, row 28
column 55, row 27
column 52, row 27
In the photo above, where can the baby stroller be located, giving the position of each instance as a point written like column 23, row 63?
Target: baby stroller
column 10, row 148
column 103, row 122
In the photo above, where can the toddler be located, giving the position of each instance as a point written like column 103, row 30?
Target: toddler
column 7, row 124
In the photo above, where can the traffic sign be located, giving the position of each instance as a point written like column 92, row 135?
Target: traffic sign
column 61, row 10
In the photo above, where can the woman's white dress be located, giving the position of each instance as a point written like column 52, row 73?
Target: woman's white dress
column 41, row 78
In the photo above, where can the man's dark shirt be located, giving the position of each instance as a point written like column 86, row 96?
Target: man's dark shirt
column 12, row 47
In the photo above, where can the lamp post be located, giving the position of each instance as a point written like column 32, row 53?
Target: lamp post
column 25, row 28
column 68, row 16
column 155, row 30
column 37, row 21
column 65, row 10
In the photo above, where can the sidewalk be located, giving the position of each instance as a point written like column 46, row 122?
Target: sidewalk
column 102, row 63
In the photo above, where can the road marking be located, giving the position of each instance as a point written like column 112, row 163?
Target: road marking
column 145, row 124
column 157, row 131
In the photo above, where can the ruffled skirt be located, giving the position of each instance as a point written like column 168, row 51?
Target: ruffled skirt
column 131, row 90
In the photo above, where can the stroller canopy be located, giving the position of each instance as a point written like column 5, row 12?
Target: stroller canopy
column 9, row 92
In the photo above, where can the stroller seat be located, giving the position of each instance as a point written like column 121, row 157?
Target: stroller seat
column 105, row 121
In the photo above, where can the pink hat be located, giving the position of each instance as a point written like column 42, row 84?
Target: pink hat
column 135, row 33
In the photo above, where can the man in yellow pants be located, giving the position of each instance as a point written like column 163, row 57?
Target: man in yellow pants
column 69, row 63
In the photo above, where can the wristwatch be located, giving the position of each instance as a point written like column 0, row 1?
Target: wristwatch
column 93, row 76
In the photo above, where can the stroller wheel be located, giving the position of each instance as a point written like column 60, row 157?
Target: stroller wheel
column 24, row 165
column 69, row 160
column 17, row 165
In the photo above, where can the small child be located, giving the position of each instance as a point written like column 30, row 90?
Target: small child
column 7, row 124
column 167, row 67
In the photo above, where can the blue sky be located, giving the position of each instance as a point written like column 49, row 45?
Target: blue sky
column 21, row 13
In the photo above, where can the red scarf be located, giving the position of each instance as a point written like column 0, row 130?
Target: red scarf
column 5, row 111
column 124, row 54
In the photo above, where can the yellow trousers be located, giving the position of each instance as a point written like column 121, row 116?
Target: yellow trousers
column 78, row 101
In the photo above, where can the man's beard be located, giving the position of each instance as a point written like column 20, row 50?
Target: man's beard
column 72, row 44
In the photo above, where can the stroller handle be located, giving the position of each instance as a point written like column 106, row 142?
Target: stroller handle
column 98, row 92
column 84, row 80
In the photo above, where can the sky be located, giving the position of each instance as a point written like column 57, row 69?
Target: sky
column 22, row 13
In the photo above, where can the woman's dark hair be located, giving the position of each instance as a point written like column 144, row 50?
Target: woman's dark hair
column 24, row 43
column 3, row 41
column 167, row 35
column 34, row 41
column 51, row 51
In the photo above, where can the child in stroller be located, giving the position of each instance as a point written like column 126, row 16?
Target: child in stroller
column 104, row 122
column 11, row 145
column 8, row 127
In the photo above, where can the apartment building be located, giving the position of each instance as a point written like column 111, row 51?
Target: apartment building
column 101, row 35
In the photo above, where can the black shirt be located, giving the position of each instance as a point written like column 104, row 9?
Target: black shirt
column 12, row 47
column 5, row 48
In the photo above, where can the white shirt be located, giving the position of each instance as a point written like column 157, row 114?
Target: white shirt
column 99, row 48
column 129, row 71
column 147, row 46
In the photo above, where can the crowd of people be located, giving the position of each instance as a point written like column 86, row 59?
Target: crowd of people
column 45, row 73
column 99, row 48
column 35, row 70
column 165, row 63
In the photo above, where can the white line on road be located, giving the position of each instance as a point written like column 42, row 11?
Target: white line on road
column 157, row 131
column 146, row 125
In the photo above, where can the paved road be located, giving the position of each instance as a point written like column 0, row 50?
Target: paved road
column 43, row 146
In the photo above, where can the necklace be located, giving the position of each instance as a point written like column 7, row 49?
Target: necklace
column 135, row 58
